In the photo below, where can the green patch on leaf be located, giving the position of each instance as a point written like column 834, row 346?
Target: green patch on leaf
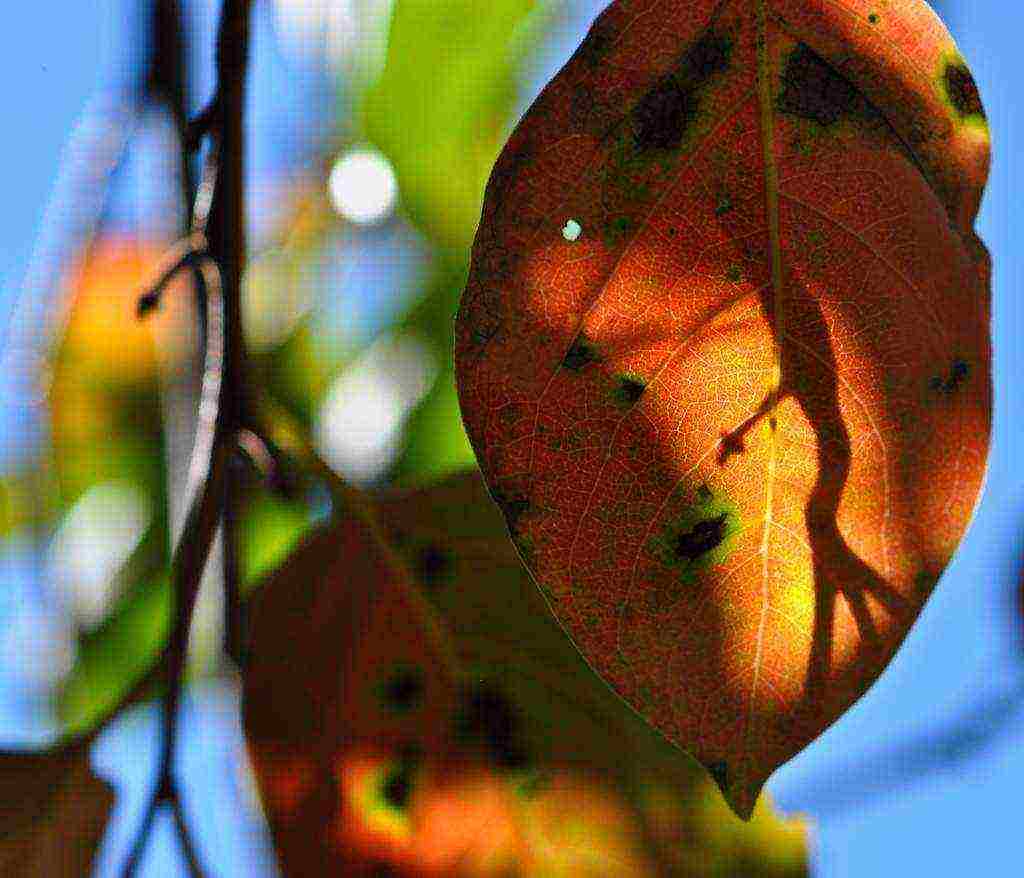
column 702, row 535
column 526, row 547
column 531, row 782
column 271, row 528
column 959, row 92
column 114, row 656
column 628, row 389
column 617, row 230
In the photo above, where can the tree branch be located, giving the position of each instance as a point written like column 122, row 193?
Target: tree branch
column 215, row 249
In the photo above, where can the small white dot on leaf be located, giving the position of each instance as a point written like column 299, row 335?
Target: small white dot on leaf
column 572, row 230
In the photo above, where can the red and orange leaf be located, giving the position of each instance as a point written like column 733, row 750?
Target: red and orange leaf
column 724, row 357
column 351, row 684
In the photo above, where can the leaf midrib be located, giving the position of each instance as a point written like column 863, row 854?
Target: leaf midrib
column 771, row 178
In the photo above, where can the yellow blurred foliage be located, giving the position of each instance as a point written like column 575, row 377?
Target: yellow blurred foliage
column 103, row 339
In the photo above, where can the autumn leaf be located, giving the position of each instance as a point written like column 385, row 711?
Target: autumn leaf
column 55, row 814
column 346, row 706
column 723, row 355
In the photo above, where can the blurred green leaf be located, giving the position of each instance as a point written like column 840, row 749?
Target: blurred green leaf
column 23, row 501
column 299, row 371
column 114, row 656
column 440, row 110
column 436, row 443
column 270, row 530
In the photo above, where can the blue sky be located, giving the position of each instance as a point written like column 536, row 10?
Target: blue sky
column 965, row 649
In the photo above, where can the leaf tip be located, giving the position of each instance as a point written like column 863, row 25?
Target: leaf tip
column 740, row 793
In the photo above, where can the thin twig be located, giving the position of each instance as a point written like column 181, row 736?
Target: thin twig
column 215, row 250
column 205, row 486
column 188, row 850
column 179, row 256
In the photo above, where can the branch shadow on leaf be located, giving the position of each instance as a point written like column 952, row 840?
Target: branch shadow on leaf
column 809, row 375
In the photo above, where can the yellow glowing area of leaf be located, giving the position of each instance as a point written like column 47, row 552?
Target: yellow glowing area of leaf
column 363, row 785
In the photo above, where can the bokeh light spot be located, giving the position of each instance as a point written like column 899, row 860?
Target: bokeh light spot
column 363, row 187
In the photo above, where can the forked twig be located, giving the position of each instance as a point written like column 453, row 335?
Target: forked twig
column 214, row 251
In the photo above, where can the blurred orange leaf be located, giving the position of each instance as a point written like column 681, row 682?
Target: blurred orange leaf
column 54, row 814
column 103, row 339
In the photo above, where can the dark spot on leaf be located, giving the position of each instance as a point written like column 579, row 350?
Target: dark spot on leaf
column 702, row 537
column 958, row 374
column 433, row 564
column 662, row 116
column 617, row 231
column 924, row 582
column 629, row 390
column 484, row 332
column 487, row 717
column 873, row 18
column 708, row 57
column 398, row 783
column 533, row 783
column 719, row 772
column 410, row 753
column 597, row 42
column 402, row 691
column 397, row 787
column 724, row 205
column 813, row 89
column 963, row 90
column 581, row 353
column 513, row 508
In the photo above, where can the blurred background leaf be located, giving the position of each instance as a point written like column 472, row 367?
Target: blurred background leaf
column 440, row 108
column 53, row 815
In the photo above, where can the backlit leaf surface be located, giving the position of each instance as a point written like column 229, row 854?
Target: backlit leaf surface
column 723, row 355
